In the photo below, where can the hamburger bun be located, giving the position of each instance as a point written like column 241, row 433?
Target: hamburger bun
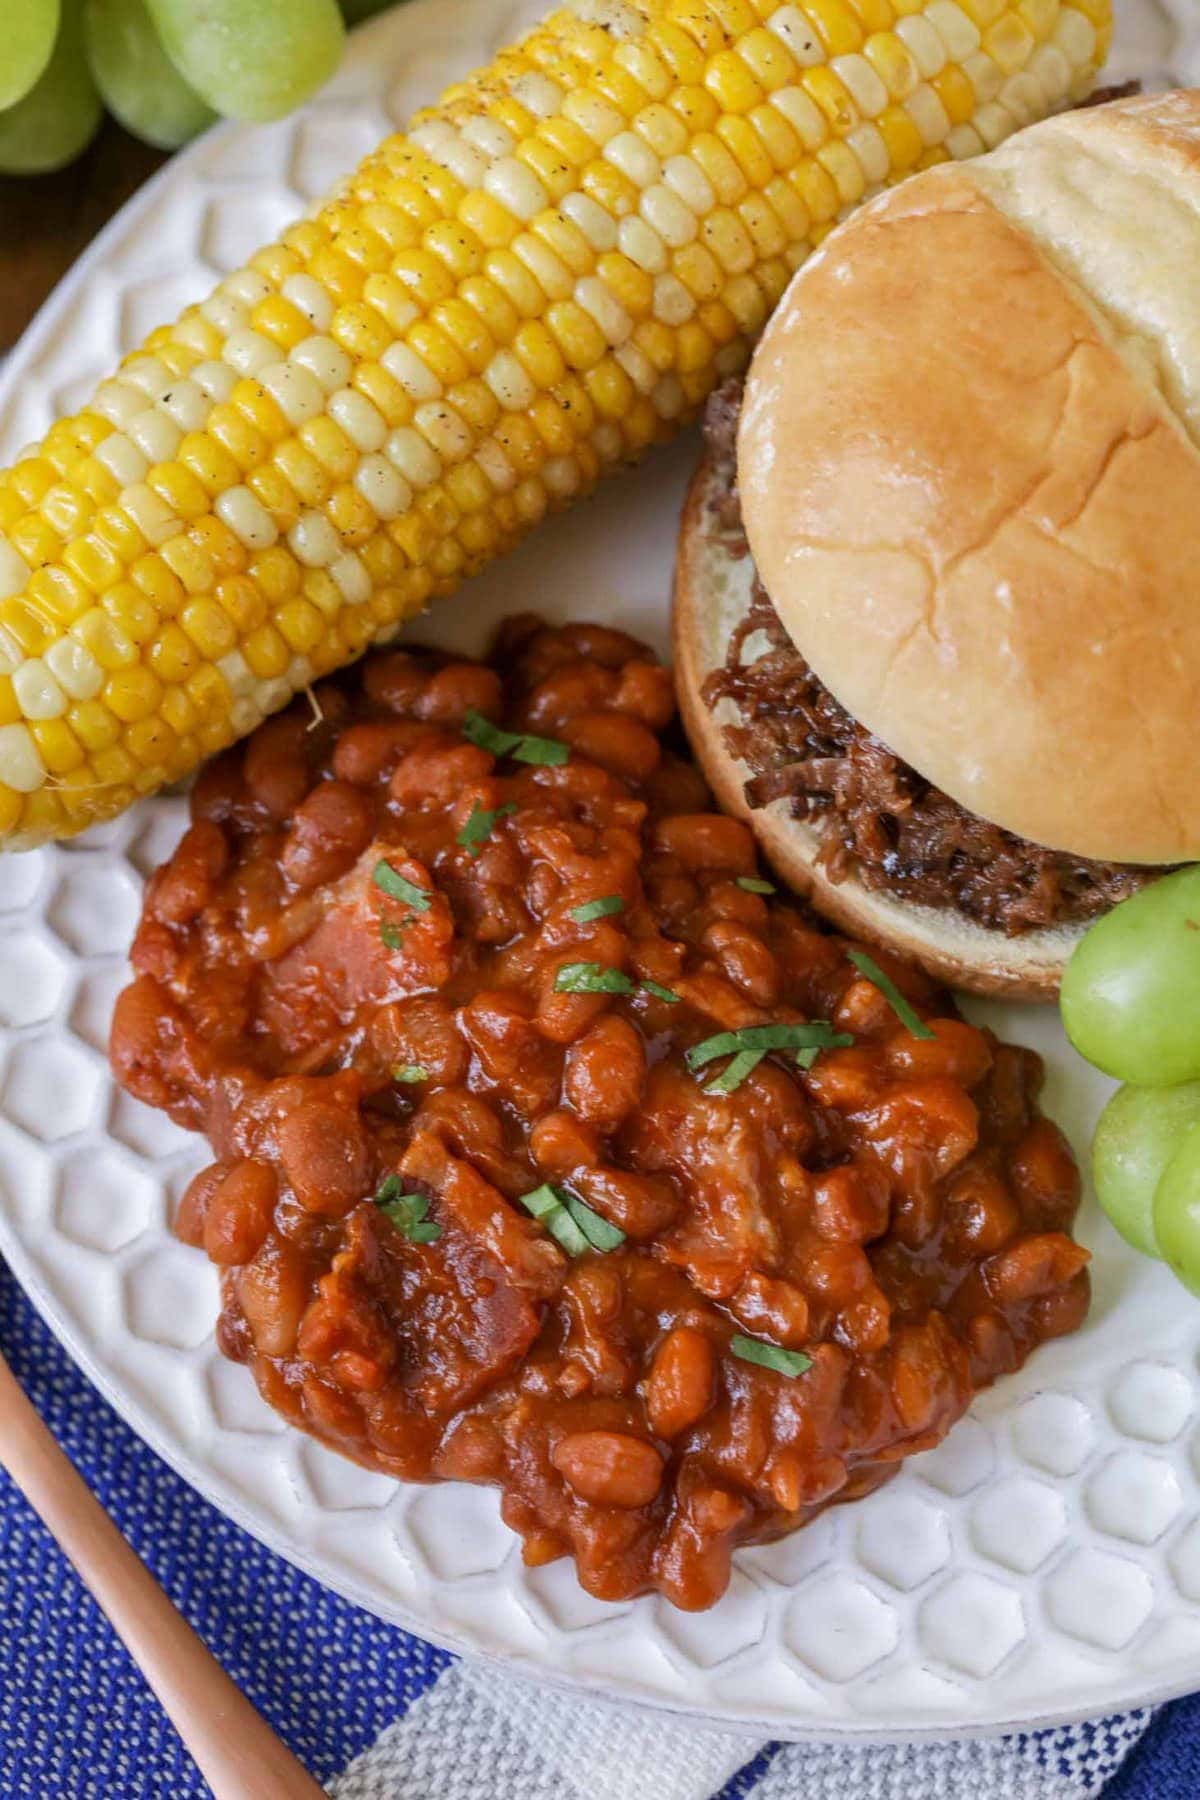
column 970, row 480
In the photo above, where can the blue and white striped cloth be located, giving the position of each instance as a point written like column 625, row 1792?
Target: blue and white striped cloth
column 378, row 1715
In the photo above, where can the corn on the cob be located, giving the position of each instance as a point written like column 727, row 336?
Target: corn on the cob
column 549, row 272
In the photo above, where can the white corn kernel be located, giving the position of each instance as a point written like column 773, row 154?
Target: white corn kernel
column 11, row 653
column 687, row 179
column 516, row 187
column 1075, row 36
column 415, row 459
column 964, row 141
column 118, row 401
column 192, row 332
column 249, row 352
column 148, row 373
column 21, row 767
column 634, row 158
column 642, row 244
column 273, row 694
column 597, row 227
column 122, row 458
column 245, row 715
column 299, row 674
column 802, row 114
column 430, row 135
column 324, row 359
column 1051, row 71
column 489, row 136
column 668, row 397
column 799, row 34
column 958, row 33
column 596, row 118
column 638, row 367
column 184, row 402
column 297, row 393
column 313, row 540
column 150, row 513
column 1021, row 95
column 606, row 441
column 984, row 76
column 537, row 93
column 215, row 379
column 994, row 123
column 548, row 270
column 602, row 304
column 36, row 691
column 866, row 141
column 382, row 487
column 247, row 285
column 14, row 570
column 494, row 462
column 224, row 313
column 238, row 674
column 665, row 212
column 247, row 518
column 309, row 297
column 75, row 668
column 362, row 422
column 156, row 436
column 922, row 43
column 561, row 476
column 927, row 113
column 506, row 376
column 673, row 305
column 412, row 372
column 862, row 83
column 445, row 429
column 466, row 164
column 353, row 581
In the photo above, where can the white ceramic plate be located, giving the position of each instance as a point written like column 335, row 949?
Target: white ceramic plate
column 1043, row 1563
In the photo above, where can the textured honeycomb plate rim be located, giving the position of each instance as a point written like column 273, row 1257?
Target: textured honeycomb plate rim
column 1041, row 1565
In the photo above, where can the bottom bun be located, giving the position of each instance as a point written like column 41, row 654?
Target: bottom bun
column 711, row 596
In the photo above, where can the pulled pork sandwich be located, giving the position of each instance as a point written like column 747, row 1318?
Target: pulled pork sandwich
column 937, row 629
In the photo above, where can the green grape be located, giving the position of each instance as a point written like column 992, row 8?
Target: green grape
column 251, row 59
column 1131, row 992
column 30, row 28
column 1139, row 1131
column 60, row 115
column 357, row 10
column 138, row 82
column 1177, row 1211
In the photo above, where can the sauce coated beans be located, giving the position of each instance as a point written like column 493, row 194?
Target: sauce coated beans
column 476, row 1215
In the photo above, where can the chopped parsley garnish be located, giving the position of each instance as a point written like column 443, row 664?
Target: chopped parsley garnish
column 748, row 1047
column 594, row 978
column 903, row 1009
column 598, row 909
column 480, row 826
column 753, row 885
column 572, row 1224
column 520, row 745
column 409, row 1073
column 392, row 936
column 398, row 887
column 591, row 978
column 769, row 1356
column 407, row 1212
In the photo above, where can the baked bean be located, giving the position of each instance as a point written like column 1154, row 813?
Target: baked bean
column 937, row 1115
column 364, row 753
column 847, row 1080
column 1045, row 1173
column 395, row 680
column 618, row 743
column 329, row 833
column 276, row 767
column 982, row 1215
column 180, row 892
column 189, row 1219
column 706, row 841
column 457, row 690
column 863, row 1010
column 609, row 1467
column 561, row 1142
column 512, row 1051
column 645, row 692
column 604, row 1072
column 772, row 1308
column 956, row 1052
column 642, row 1205
column 273, row 1293
column 421, row 1033
column 580, row 687
column 850, row 1204
column 325, row 1157
column 1033, row 1266
column 437, row 772
column 239, row 1212
column 682, row 1383
column 745, row 959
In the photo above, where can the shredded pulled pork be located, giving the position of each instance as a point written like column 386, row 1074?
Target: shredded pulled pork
column 878, row 818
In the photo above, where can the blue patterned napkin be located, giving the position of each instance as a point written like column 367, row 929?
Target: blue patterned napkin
column 378, row 1715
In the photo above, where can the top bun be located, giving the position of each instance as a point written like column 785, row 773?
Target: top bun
column 970, row 478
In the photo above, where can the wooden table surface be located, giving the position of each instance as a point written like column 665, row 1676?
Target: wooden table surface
column 46, row 220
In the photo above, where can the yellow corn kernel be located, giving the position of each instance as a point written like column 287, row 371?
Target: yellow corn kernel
column 158, row 583
column 112, row 648
column 301, row 626
column 901, row 136
column 833, row 97
column 719, row 166
column 267, row 653
column 173, row 656
column 277, row 574
column 893, row 62
column 210, row 629
column 94, row 726
column 1009, row 42
column 131, row 611
column 282, row 322
column 133, row 693
column 956, row 94
column 56, row 597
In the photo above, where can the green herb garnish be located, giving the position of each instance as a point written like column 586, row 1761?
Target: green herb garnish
column 520, row 745
column 407, row 1212
column 479, row 827
column 902, row 1008
column 598, row 909
column 811, row 1034
column 598, row 1232
column 735, row 1072
column 409, row 1073
column 769, row 1356
column 659, row 992
column 392, row 936
column 546, row 1205
column 753, row 885
column 399, row 887
column 591, row 978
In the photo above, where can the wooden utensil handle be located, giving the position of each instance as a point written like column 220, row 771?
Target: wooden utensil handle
column 236, row 1751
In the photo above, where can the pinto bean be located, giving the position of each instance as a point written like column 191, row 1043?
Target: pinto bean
column 609, row 1468
column 681, row 1385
